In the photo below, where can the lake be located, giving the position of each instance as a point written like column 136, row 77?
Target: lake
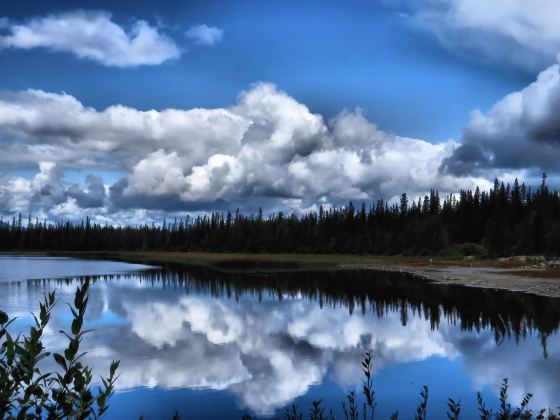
column 218, row 345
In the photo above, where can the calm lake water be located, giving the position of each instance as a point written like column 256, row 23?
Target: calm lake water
column 214, row 345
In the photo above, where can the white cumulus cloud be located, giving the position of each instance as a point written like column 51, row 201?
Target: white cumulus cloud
column 205, row 35
column 524, row 33
column 268, row 149
column 92, row 35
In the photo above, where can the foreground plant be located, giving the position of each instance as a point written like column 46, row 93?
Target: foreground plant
column 28, row 392
column 351, row 404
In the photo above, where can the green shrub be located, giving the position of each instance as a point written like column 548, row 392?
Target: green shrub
column 27, row 392
column 467, row 249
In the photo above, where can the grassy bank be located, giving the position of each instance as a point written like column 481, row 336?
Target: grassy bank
column 283, row 262
column 289, row 261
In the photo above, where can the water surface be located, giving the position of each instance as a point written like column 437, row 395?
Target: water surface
column 219, row 345
column 25, row 267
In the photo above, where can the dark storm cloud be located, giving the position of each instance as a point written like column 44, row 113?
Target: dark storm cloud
column 521, row 131
column 121, row 201
column 93, row 196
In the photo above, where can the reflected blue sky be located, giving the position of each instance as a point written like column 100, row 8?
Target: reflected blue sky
column 183, row 349
column 13, row 268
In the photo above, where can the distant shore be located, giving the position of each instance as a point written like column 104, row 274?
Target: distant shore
column 524, row 274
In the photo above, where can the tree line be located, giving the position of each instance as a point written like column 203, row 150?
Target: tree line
column 506, row 220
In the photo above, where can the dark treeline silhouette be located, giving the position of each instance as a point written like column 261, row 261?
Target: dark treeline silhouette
column 507, row 314
column 507, row 220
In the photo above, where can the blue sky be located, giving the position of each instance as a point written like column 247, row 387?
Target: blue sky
column 381, row 78
column 329, row 55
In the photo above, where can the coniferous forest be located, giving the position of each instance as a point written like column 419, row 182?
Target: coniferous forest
column 507, row 220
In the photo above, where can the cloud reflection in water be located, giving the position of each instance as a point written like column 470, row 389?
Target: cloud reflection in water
column 269, row 351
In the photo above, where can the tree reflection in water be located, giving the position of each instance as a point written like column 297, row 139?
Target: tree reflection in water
column 268, row 338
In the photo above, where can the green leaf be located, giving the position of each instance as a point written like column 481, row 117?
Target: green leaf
column 3, row 317
column 69, row 354
column 114, row 367
column 77, row 325
column 101, row 400
column 60, row 360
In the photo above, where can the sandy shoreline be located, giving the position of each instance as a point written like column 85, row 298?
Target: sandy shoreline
column 519, row 280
